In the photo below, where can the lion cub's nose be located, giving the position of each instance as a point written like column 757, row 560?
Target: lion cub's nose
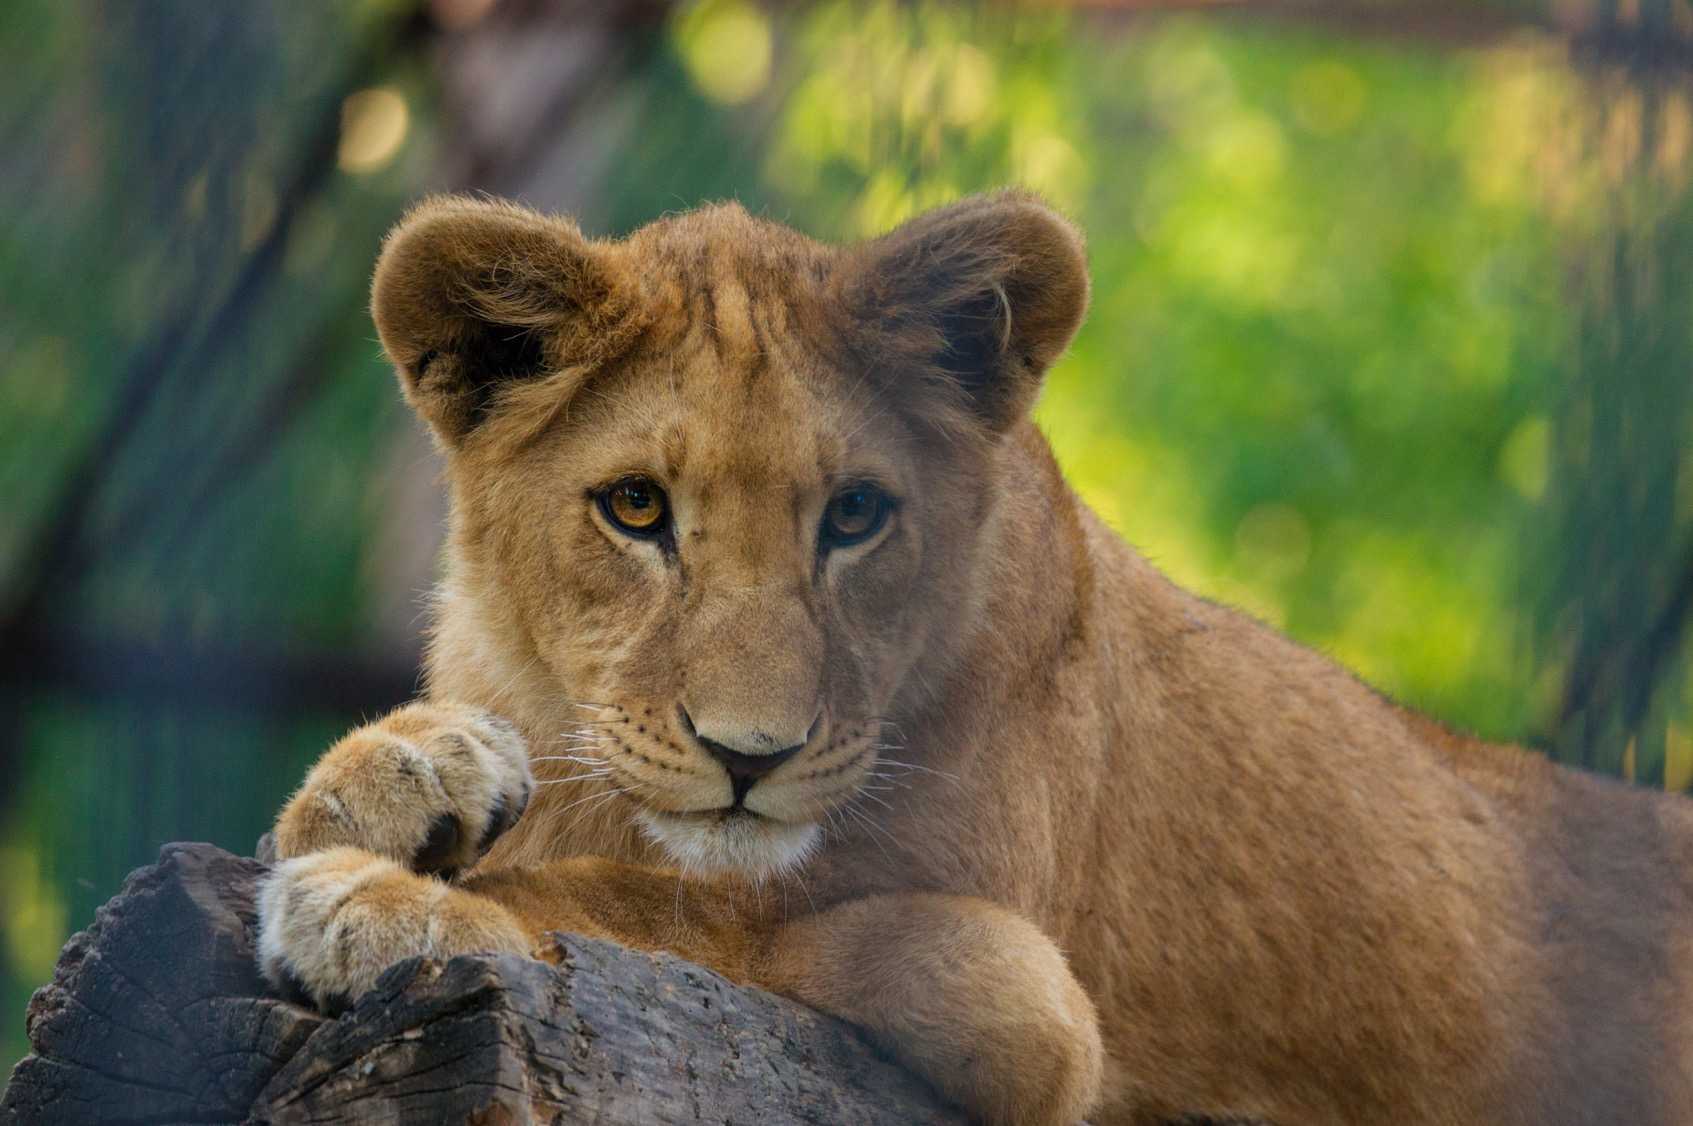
column 744, row 769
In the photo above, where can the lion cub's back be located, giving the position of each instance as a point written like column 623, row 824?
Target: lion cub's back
column 1610, row 868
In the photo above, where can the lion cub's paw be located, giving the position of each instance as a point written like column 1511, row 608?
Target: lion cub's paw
column 1060, row 1078
column 1046, row 1070
column 332, row 921
column 430, row 786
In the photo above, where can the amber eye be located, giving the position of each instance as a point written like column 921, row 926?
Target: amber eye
column 854, row 514
column 635, row 505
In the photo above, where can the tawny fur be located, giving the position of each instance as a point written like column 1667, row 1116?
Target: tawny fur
column 1066, row 838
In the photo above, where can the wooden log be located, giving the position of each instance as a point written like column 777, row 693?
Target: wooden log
column 157, row 1013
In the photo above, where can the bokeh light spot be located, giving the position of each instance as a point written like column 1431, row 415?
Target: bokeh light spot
column 1051, row 165
column 1678, row 759
column 1328, row 97
column 460, row 15
column 726, row 46
column 969, row 86
column 1523, row 457
column 1247, row 149
column 374, row 123
column 35, row 917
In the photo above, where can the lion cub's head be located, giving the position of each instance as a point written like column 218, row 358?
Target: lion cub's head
column 727, row 488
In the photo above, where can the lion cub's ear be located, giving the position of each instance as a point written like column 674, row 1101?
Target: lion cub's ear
column 471, row 296
column 980, row 296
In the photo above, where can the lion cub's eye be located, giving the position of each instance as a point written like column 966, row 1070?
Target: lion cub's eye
column 854, row 514
column 635, row 505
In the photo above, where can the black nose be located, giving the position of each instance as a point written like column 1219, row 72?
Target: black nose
column 744, row 770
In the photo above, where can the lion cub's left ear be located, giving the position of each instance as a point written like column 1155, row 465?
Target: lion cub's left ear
column 979, row 297
column 473, row 298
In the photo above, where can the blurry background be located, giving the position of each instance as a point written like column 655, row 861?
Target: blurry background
column 1390, row 344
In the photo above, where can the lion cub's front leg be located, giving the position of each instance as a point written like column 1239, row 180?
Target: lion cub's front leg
column 419, row 794
column 965, row 992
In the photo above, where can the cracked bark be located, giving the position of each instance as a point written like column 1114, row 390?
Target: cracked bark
column 157, row 1013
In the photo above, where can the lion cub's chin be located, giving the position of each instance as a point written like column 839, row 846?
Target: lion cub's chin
column 737, row 842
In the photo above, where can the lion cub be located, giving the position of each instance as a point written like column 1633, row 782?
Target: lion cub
column 771, row 635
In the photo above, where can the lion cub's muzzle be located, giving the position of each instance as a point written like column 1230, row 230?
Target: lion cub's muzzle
column 747, row 761
column 734, row 788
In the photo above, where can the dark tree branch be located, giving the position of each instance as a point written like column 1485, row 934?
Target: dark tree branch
column 1624, row 677
column 259, row 676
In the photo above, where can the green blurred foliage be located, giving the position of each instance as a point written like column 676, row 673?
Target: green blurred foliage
column 1328, row 312
column 161, row 142
column 1333, row 373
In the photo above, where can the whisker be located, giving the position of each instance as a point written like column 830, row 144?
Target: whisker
column 923, row 769
column 596, row 801
column 864, row 819
column 516, row 676
column 890, row 725
column 592, row 797
column 801, row 879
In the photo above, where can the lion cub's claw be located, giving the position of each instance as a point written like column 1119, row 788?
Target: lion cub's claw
column 443, row 852
column 429, row 786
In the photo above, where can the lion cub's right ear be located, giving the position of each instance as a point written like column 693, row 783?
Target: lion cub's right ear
column 473, row 296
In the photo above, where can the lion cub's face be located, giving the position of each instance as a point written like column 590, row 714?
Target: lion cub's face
column 730, row 484
column 729, row 552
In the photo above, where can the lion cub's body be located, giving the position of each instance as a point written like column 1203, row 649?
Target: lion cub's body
column 1281, row 895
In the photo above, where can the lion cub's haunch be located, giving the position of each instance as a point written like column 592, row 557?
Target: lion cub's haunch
column 771, row 635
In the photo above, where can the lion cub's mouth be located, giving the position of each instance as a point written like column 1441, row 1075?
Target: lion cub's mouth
column 704, row 808
column 732, row 838
column 710, row 817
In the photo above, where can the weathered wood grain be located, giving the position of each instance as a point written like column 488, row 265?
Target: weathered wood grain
column 157, row 1013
